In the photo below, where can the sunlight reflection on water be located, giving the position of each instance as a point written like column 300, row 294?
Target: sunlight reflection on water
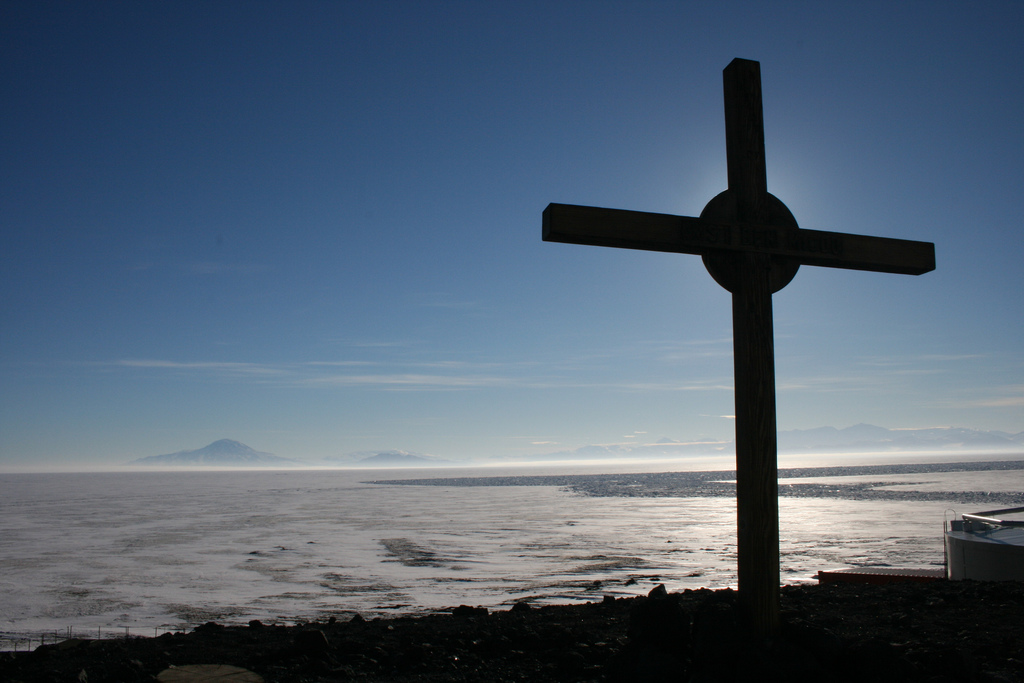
column 171, row 550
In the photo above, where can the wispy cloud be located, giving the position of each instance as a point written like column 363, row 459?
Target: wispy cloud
column 237, row 368
column 391, row 344
column 410, row 381
column 929, row 359
column 340, row 363
column 1008, row 402
column 426, row 376
column 831, row 383
column 688, row 351
column 218, row 268
column 664, row 386
column 1007, row 397
column 326, row 373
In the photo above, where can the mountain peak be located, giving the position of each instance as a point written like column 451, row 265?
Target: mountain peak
column 227, row 446
column 399, row 459
column 225, row 452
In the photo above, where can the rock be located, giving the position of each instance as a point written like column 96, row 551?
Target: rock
column 877, row 660
column 209, row 626
column 467, row 611
column 659, row 638
column 824, row 645
column 997, row 677
column 717, row 640
column 654, row 666
column 660, row 623
column 208, row 673
column 311, row 642
column 829, row 633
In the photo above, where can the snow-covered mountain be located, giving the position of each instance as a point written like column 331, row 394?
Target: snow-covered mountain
column 871, row 438
column 399, row 459
column 858, row 438
column 219, row 453
column 390, row 458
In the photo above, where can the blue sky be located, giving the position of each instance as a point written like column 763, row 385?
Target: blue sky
column 315, row 227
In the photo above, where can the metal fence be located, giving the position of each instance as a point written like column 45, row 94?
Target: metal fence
column 27, row 641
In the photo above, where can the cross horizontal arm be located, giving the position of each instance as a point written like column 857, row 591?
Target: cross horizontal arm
column 682, row 235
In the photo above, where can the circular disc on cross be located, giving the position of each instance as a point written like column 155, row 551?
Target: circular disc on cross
column 770, row 212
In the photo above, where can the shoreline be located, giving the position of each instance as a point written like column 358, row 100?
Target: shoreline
column 940, row 631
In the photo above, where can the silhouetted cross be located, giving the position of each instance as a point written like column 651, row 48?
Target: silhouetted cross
column 752, row 246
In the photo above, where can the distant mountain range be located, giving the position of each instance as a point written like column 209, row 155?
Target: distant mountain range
column 228, row 453
column 223, row 453
column 858, row 438
column 870, row 437
column 399, row 459
column 392, row 458
column 855, row 439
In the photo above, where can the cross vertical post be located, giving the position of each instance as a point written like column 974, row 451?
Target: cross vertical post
column 757, row 490
column 744, row 137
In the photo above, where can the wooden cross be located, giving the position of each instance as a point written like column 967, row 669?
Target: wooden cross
column 752, row 246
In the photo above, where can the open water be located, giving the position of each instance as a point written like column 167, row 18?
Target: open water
column 147, row 552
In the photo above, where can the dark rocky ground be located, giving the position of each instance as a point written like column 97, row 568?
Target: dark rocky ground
column 936, row 632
